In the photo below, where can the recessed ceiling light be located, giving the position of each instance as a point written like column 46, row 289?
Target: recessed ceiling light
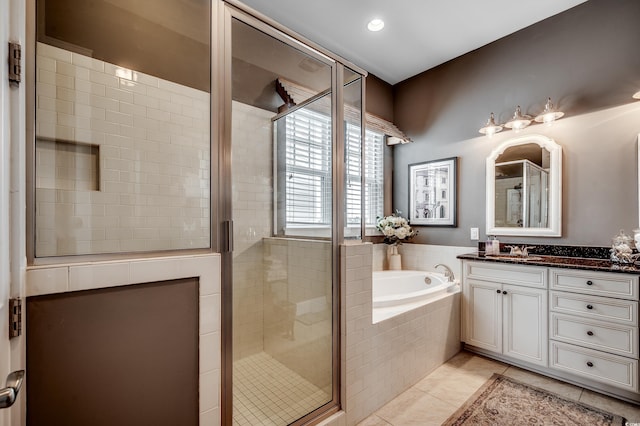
column 375, row 25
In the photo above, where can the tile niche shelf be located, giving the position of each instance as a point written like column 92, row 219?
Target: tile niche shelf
column 67, row 165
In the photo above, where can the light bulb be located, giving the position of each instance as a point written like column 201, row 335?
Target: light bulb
column 491, row 128
column 548, row 118
column 375, row 24
column 519, row 121
column 549, row 115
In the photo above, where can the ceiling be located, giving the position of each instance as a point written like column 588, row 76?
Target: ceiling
column 418, row 34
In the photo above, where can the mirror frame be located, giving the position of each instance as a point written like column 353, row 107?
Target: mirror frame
column 555, row 188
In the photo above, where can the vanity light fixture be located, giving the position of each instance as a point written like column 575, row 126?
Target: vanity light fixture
column 518, row 121
column 375, row 25
column 491, row 127
column 549, row 114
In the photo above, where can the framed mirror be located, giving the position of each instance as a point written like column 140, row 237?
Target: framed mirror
column 524, row 188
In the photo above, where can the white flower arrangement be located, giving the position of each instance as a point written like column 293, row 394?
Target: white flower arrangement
column 395, row 229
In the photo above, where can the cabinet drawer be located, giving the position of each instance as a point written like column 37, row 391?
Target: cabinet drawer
column 624, row 286
column 530, row 276
column 615, row 338
column 606, row 368
column 595, row 307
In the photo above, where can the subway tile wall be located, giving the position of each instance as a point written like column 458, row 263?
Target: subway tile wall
column 252, row 155
column 153, row 145
column 298, row 304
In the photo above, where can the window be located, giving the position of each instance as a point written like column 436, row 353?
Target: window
column 308, row 188
column 374, row 175
column 308, row 168
column 353, row 177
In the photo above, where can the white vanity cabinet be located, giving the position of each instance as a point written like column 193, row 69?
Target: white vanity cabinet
column 577, row 325
column 505, row 310
column 593, row 329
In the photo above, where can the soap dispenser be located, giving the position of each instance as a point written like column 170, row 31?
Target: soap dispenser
column 488, row 247
column 496, row 246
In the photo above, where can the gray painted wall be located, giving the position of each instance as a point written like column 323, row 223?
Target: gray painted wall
column 587, row 59
column 379, row 97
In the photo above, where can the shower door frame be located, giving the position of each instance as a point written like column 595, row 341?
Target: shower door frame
column 222, row 56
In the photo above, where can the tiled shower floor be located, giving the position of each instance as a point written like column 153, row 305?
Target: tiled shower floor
column 266, row 392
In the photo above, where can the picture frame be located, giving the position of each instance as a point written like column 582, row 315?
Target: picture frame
column 433, row 194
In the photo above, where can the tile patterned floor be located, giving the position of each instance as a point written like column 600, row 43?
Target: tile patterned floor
column 432, row 400
column 265, row 392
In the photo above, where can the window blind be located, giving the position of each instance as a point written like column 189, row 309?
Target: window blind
column 353, row 181
column 308, row 168
column 308, row 171
column 374, row 176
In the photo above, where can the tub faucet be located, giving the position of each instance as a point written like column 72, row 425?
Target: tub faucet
column 448, row 273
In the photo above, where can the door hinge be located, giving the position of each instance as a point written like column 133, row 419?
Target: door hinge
column 15, row 317
column 15, row 69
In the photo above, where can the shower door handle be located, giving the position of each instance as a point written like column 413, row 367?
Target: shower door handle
column 227, row 234
column 9, row 394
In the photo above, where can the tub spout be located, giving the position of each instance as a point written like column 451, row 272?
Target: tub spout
column 447, row 272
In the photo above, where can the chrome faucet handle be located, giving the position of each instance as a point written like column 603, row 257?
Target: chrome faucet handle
column 514, row 250
column 525, row 250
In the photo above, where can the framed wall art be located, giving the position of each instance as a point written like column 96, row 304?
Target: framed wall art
column 432, row 193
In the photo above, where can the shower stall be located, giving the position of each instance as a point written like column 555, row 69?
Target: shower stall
column 291, row 192
column 217, row 130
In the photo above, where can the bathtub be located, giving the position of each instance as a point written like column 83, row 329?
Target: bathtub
column 396, row 292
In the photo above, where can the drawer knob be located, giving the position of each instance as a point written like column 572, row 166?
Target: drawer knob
column 498, row 291
column 589, row 306
column 504, row 292
column 589, row 364
column 589, row 282
column 589, row 333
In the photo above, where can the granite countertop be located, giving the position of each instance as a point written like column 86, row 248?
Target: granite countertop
column 589, row 264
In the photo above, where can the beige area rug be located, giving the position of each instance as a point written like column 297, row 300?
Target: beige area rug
column 504, row 401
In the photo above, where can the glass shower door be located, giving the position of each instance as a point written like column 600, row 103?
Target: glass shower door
column 123, row 142
column 282, row 212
